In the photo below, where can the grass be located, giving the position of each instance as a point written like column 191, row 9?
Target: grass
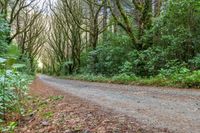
column 191, row 80
column 48, row 115
column 56, row 98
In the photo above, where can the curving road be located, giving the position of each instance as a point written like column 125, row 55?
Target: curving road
column 175, row 109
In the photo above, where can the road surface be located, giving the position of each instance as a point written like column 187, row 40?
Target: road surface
column 178, row 110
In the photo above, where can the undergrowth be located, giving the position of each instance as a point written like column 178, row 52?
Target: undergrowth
column 184, row 78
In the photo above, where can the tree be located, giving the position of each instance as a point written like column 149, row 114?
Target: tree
column 16, row 8
column 4, row 32
column 30, row 41
column 24, row 18
column 179, row 28
column 65, row 40
column 157, row 4
column 91, row 16
column 90, row 11
column 135, row 28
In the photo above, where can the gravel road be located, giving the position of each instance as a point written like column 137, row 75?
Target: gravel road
column 178, row 110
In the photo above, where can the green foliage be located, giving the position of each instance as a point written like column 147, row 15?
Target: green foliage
column 195, row 62
column 111, row 55
column 172, row 67
column 123, row 78
column 147, row 62
column 4, row 32
column 13, row 88
column 28, row 67
column 90, row 77
column 10, row 128
column 13, row 83
column 164, row 53
column 13, row 51
column 153, row 66
column 126, row 68
column 181, row 77
column 192, row 79
column 48, row 115
column 56, row 98
column 177, row 29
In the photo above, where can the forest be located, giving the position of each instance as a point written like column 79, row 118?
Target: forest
column 138, row 42
column 152, row 42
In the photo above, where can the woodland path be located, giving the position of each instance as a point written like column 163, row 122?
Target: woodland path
column 178, row 110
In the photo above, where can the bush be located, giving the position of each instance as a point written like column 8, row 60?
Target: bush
column 13, row 88
column 123, row 78
column 110, row 54
column 116, row 56
column 195, row 62
column 147, row 62
column 126, row 68
column 181, row 77
column 193, row 79
column 91, row 77
column 13, row 83
column 172, row 67
column 178, row 36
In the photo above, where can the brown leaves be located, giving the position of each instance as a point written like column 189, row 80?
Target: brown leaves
column 70, row 114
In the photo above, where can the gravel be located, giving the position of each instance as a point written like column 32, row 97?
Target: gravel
column 177, row 110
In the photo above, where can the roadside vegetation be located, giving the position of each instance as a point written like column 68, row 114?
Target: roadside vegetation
column 13, row 82
column 182, row 79
column 134, row 42
column 18, row 51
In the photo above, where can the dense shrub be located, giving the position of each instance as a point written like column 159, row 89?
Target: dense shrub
column 177, row 29
column 147, row 62
column 193, row 79
column 195, row 62
column 111, row 55
column 115, row 57
column 13, row 83
column 13, row 88
column 181, row 77
column 123, row 78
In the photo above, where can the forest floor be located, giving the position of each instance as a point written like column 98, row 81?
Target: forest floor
column 67, row 106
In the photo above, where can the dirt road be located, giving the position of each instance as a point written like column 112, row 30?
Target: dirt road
column 178, row 110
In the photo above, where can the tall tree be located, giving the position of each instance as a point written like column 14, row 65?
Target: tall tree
column 136, row 27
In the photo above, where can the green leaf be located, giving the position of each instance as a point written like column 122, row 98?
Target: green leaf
column 13, row 51
column 10, row 61
column 2, row 60
column 19, row 66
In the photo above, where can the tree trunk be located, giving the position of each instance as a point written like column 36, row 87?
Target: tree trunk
column 157, row 7
column 105, row 19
